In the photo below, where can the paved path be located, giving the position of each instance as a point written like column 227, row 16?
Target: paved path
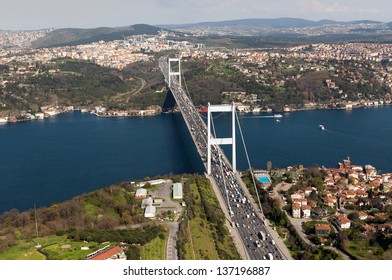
column 171, row 250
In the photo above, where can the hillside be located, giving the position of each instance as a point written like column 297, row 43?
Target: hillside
column 77, row 36
column 272, row 23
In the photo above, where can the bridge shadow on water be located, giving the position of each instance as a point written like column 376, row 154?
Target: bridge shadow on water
column 194, row 162
column 169, row 103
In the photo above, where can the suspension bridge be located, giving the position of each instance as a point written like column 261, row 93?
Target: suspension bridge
column 257, row 240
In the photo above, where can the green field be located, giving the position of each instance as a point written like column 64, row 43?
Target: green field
column 200, row 233
column 203, row 234
column 51, row 249
column 23, row 251
column 203, row 243
column 155, row 249
column 363, row 250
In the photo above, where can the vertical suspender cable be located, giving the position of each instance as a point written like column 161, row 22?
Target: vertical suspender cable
column 247, row 158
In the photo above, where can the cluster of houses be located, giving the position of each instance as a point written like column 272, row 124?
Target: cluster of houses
column 104, row 112
column 347, row 186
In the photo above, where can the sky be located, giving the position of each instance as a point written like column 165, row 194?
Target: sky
column 37, row 14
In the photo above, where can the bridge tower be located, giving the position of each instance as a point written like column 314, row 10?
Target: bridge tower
column 178, row 60
column 220, row 141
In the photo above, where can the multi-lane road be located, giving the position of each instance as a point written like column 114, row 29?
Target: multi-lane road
column 243, row 214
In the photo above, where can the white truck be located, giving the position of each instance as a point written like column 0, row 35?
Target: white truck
column 262, row 235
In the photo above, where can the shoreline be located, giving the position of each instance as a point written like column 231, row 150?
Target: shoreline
column 158, row 112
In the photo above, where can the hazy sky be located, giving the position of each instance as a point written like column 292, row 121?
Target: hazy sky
column 35, row 14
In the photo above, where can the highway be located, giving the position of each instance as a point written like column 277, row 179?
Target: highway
column 244, row 216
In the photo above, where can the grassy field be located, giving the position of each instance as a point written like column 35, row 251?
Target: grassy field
column 362, row 250
column 202, row 245
column 51, row 245
column 202, row 240
column 155, row 249
column 23, row 251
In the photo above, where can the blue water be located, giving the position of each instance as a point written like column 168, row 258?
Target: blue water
column 364, row 134
column 52, row 160
column 263, row 179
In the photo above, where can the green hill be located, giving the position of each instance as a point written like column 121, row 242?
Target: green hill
column 78, row 36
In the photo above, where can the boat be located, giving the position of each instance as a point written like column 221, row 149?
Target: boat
column 278, row 116
column 321, row 127
column 277, row 120
column 3, row 120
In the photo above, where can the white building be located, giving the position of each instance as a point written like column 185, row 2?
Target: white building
column 141, row 193
column 146, row 202
column 177, row 191
column 296, row 210
column 343, row 222
column 306, row 211
column 150, row 212
column 151, row 182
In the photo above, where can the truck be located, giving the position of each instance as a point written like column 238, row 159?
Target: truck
column 262, row 235
column 270, row 256
column 273, row 242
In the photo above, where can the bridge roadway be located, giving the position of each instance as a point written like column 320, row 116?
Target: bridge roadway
column 242, row 214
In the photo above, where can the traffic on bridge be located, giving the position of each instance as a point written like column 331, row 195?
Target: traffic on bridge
column 243, row 215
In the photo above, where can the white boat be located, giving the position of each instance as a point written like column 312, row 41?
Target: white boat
column 278, row 116
column 321, row 127
column 277, row 120
column 3, row 120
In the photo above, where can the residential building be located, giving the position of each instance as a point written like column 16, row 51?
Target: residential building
column 322, row 229
column 343, row 222
column 362, row 215
column 306, row 211
column 296, row 210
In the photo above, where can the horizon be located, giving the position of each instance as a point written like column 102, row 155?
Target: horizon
column 44, row 14
column 190, row 23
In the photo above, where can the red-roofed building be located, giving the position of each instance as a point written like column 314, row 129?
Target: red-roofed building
column 312, row 203
column 362, row 193
column 343, row 222
column 375, row 183
column 301, row 201
column 362, row 215
column 322, row 229
column 114, row 253
column 308, row 191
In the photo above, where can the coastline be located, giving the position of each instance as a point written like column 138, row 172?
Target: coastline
column 157, row 110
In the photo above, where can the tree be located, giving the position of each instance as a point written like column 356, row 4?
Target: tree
column 269, row 166
column 318, row 183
